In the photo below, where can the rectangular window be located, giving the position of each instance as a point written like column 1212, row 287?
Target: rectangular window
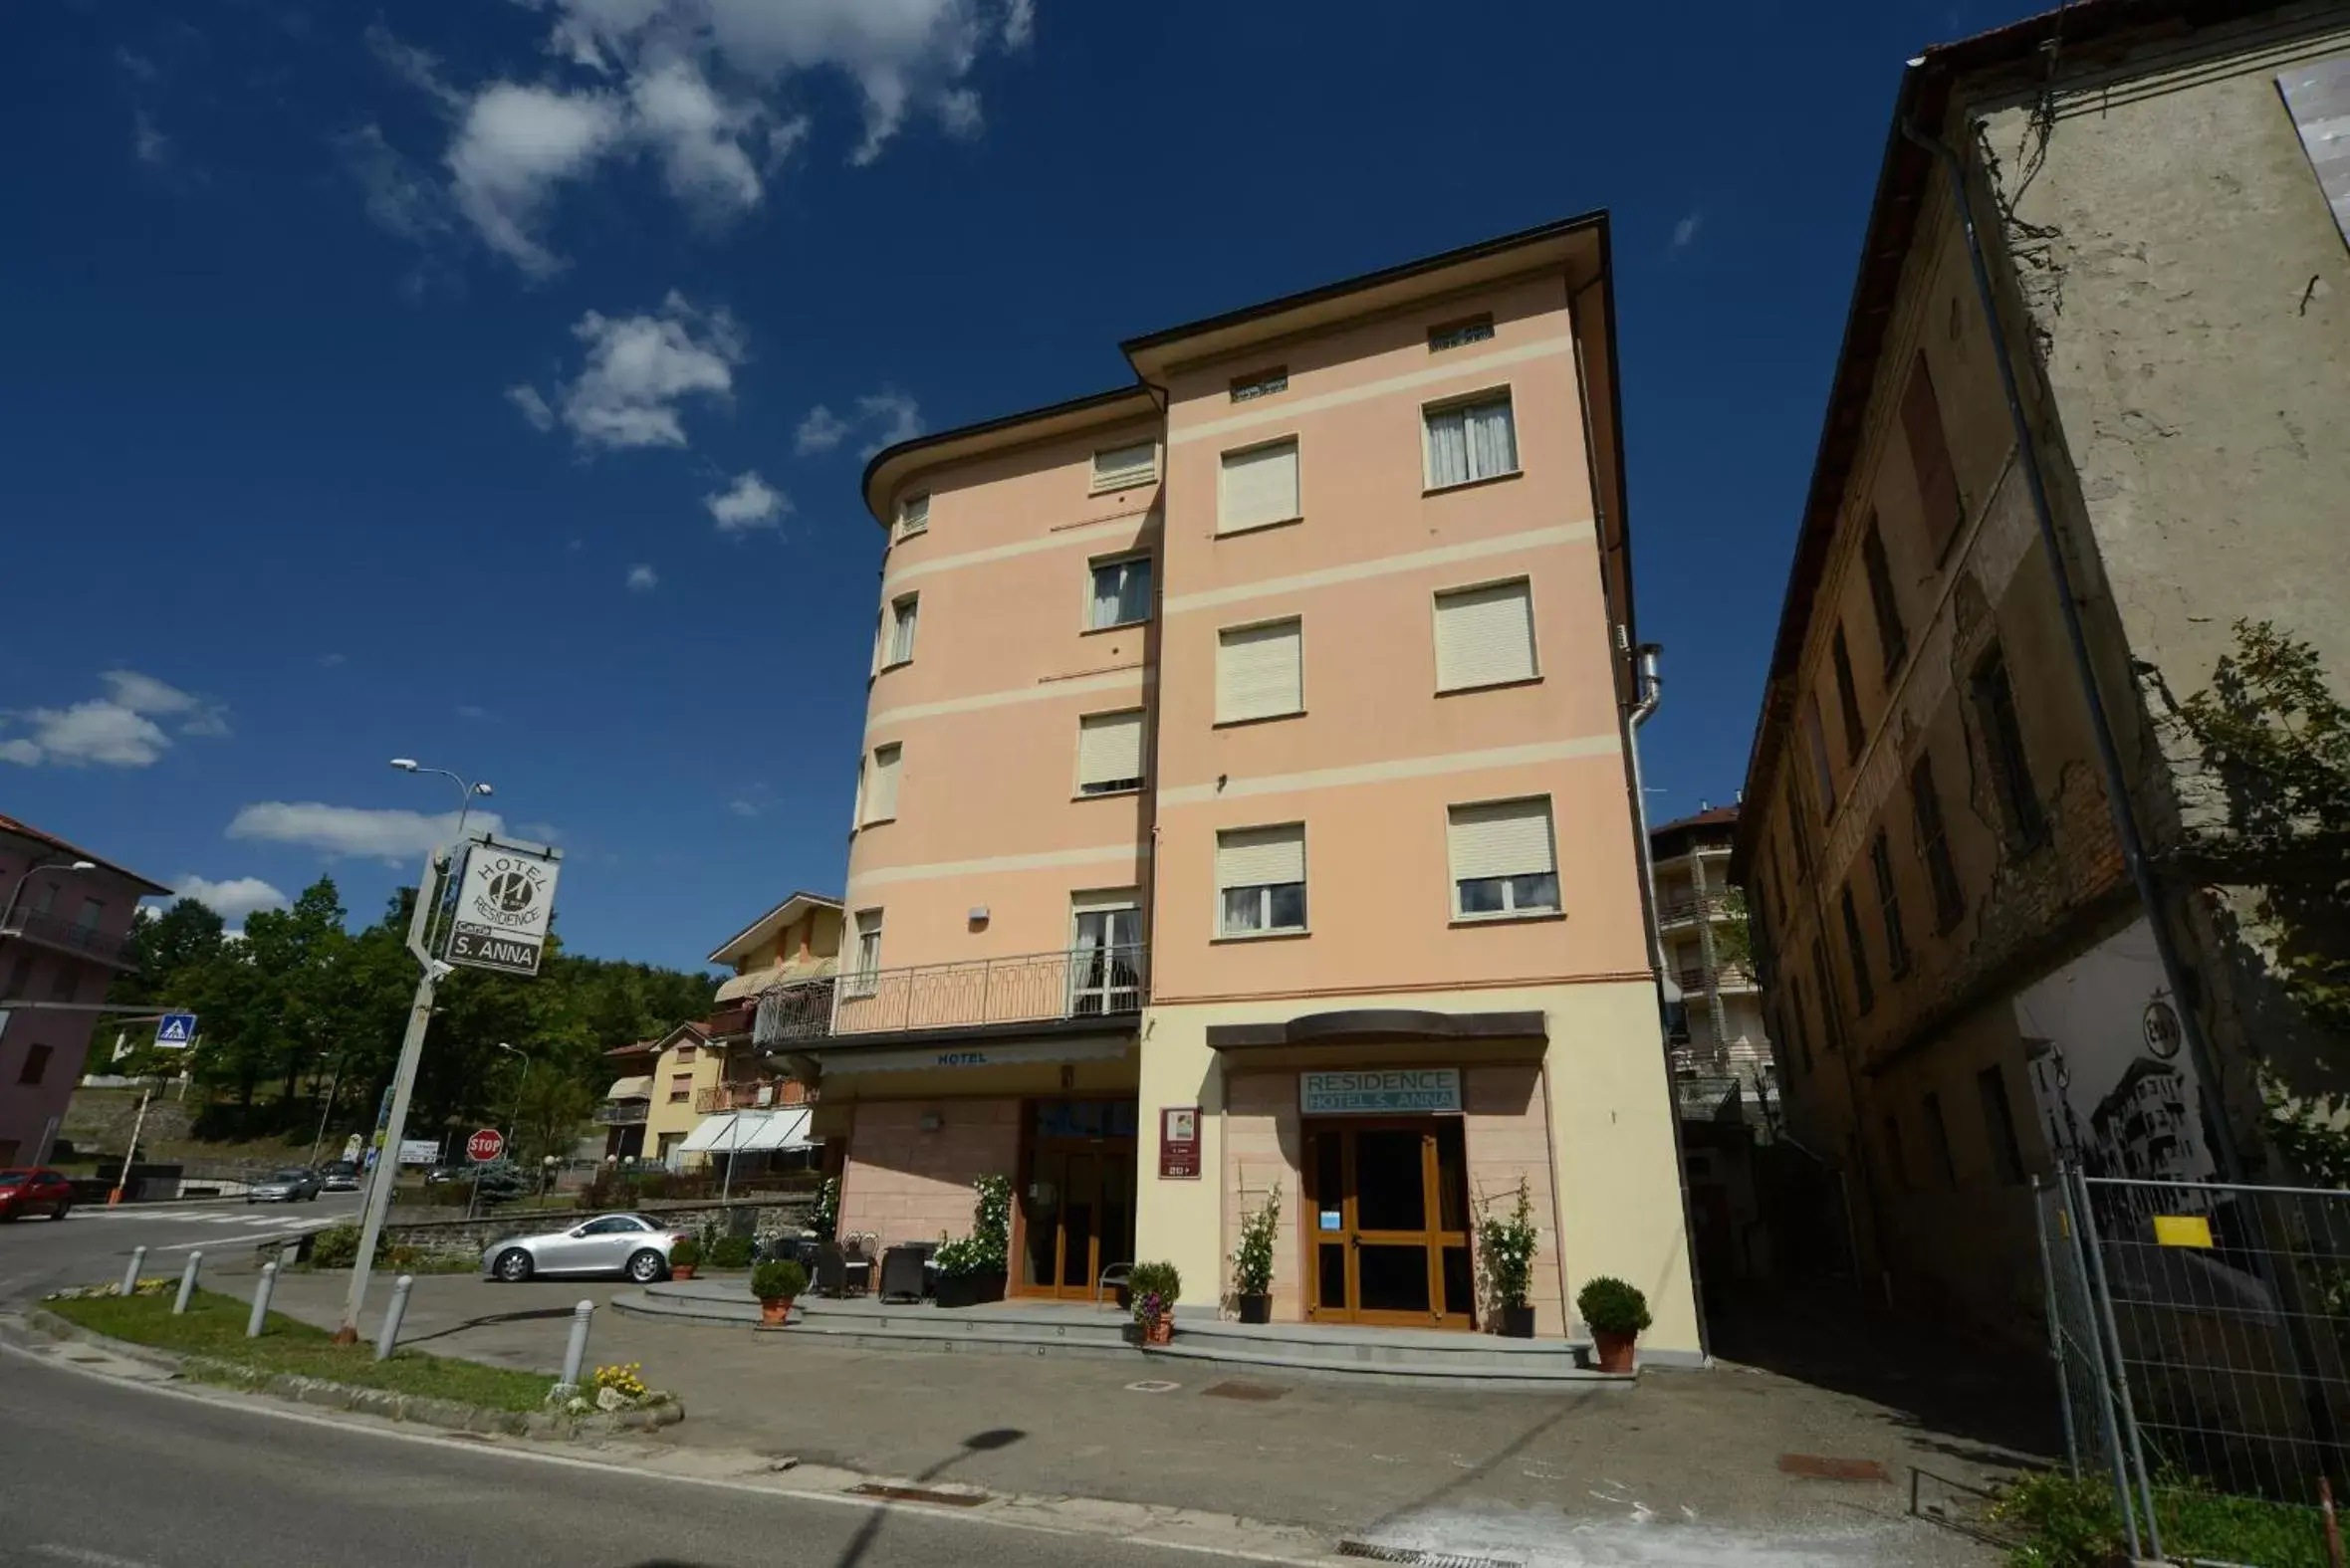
column 913, row 516
column 1110, row 753
column 1929, row 449
column 1259, row 384
column 1799, row 1026
column 1122, row 593
column 1937, row 1140
column 881, row 799
column 1950, row 900
column 1258, row 485
column 901, row 627
column 1260, row 671
column 18, row 979
column 1999, row 1126
column 47, row 900
column 36, row 1064
column 1824, row 990
column 1121, row 467
column 1105, row 952
column 681, row 1087
column 1892, row 636
column 1894, row 1154
column 1864, row 992
column 65, row 981
column 1847, row 697
column 2002, row 737
column 685, row 1053
column 1824, row 771
column 1484, row 637
column 1261, row 880
column 92, row 910
column 864, row 979
column 1897, row 954
column 1470, row 441
column 1460, row 334
column 1502, row 858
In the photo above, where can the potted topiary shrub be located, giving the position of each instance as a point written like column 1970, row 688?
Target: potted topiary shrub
column 1505, row 1245
column 973, row 1269
column 777, row 1283
column 1616, row 1313
column 1252, row 1261
column 1154, row 1288
column 685, row 1255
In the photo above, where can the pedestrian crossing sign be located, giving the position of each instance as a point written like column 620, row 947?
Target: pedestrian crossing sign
column 175, row 1031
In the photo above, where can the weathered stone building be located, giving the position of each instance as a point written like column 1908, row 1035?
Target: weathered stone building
column 2091, row 412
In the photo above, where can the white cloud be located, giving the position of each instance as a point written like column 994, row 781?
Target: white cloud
column 533, row 406
column 743, row 808
column 898, row 417
column 699, row 137
column 150, row 145
column 419, row 67
column 640, row 369
column 118, row 730
column 749, row 503
column 354, row 831
column 145, row 694
column 516, row 144
column 1020, row 23
column 821, row 431
column 403, row 198
column 234, row 899
column 1685, row 233
column 24, row 752
column 958, row 111
column 642, row 580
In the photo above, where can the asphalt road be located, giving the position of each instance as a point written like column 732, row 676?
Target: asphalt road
column 93, row 1243
column 110, row 1476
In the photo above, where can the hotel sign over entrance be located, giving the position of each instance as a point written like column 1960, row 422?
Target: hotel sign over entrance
column 1387, row 1091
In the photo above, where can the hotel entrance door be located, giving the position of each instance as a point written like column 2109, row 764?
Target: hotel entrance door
column 1387, row 1210
column 1076, row 1198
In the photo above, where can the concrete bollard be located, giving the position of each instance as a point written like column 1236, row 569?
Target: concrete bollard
column 575, row 1354
column 187, row 1283
column 390, row 1335
column 261, row 1290
column 130, row 1275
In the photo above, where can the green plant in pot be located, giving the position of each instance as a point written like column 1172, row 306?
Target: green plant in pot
column 1154, row 1288
column 685, row 1255
column 1505, row 1247
column 1252, row 1261
column 972, row 1268
column 731, row 1251
column 1616, row 1313
column 777, row 1283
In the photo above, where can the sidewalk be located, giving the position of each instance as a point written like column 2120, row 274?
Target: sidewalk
column 1687, row 1458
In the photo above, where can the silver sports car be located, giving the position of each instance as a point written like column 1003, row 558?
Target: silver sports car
column 628, row 1245
column 293, row 1184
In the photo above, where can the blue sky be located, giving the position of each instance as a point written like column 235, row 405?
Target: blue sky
column 443, row 380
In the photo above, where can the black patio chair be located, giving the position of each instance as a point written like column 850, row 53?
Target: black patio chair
column 901, row 1273
column 832, row 1270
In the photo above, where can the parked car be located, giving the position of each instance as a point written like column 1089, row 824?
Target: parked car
column 31, row 1192
column 628, row 1245
column 441, row 1175
column 340, row 1176
column 292, row 1185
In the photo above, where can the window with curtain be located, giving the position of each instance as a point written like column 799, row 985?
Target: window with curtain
column 1117, row 467
column 1261, row 879
column 1470, row 441
column 1258, row 485
column 913, row 516
column 1110, row 753
column 1260, row 671
column 901, row 627
column 864, row 979
column 1484, row 637
column 1502, row 858
column 881, row 799
column 1122, row 593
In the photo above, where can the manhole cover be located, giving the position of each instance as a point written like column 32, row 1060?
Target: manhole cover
column 1422, row 1557
column 1152, row 1386
column 1820, row 1466
column 1254, row 1391
column 952, row 1499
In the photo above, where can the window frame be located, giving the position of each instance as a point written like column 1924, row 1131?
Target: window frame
column 1459, row 332
column 2000, row 1133
column 1505, row 393
column 1897, row 952
column 1884, row 599
column 1856, row 730
column 1937, row 1130
column 1136, row 785
column 680, row 1094
column 1534, row 641
column 1264, row 890
column 865, row 794
column 1271, row 382
column 1510, row 911
column 862, row 979
column 1298, row 464
column 1216, row 688
column 1865, row 989
column 1125, row 477
column 905, row 612
column 1098, row 565
column 1991, row 688
column 1933, row 841
column 34, row 1067
column 908, row 525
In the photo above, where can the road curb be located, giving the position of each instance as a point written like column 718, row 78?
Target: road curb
column 39, row 1326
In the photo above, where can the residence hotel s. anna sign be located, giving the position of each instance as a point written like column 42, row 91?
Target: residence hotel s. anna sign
column 1383, row 1091
column 505, row 906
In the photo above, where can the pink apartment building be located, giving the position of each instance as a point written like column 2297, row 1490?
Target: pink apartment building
column 1244, row 809
column 64, row 919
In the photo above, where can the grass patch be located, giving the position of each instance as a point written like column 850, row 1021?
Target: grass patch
column 214, row 1327
column 2069, row 1523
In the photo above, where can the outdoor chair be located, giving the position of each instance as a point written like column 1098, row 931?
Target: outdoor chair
column 901, row 1273
column 1113, row 1280
column 832, row 1270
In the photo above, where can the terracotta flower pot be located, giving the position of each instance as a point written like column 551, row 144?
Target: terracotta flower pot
column 1614, row 1351
column 681, row 1270
column 775, row 1311
column 1161, row 1330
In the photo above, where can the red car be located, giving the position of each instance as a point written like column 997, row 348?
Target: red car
column 33, row 1191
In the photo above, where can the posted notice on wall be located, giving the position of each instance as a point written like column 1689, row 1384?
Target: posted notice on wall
column 1179, row 1142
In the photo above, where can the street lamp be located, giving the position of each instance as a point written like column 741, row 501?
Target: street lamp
column 466, row 791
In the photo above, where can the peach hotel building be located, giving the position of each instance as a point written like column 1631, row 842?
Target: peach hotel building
column 1245, row 807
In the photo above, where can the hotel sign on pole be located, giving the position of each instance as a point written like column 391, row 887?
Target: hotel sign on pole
column 1386, row 1091
column 505, row 906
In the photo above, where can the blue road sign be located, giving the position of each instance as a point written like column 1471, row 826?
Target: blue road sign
column 176, row 1030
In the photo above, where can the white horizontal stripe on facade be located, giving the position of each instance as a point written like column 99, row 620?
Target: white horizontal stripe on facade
column 1127, row 681
column 1581, row 746
column 1280, row 411
column 1044, row 860
column 1126, row 528
column 1386, row 566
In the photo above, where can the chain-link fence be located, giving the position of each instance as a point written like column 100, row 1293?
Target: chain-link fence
column 2198, row 1332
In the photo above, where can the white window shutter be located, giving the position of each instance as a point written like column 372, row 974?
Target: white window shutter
column 1260, row 671
column 882, row 800
column 1259, row 486
column 1484, row 637
column 1260, row 856
column 1110, row 746
column 1503, row 839
column 1119, row 466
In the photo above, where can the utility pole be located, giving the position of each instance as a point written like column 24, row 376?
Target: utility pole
column 138, row 1126
column 325, row 1111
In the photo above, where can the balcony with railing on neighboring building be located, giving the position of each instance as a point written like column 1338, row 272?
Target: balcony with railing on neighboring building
column 1675, row 908
column 69, row 935
column 732, row 1020
column 761, row 1095
column 622, row 1113
column 1726, row 976
column 1033, row 987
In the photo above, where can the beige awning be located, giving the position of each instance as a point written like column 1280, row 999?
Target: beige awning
column 631, row 1089
column 751, row 982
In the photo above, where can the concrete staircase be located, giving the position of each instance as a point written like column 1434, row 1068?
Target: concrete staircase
column 1424, row 1357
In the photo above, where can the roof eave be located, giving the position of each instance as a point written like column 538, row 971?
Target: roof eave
column 891, row 466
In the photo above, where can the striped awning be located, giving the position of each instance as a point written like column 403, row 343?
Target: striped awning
column 750, row 1132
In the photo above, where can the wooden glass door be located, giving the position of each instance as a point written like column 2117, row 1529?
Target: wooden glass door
column 1388, row 1224
column 1076, row 1213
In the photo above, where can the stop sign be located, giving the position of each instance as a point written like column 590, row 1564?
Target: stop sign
column 487, row 1144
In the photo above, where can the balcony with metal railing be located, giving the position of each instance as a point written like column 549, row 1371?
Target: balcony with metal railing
column 622, row 1113
column 69, row 936
column 1671, row 908
column 1032, row 987
column 1726, row 976
column 761, row 1095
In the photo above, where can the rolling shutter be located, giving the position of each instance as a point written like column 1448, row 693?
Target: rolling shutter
column 882, row 799
column 1261, row 856
column 1504, row 838
column 1259, row 671
column 1259, row 486
column 1110, row 748
column 1484, row 637
column 1119, row 466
